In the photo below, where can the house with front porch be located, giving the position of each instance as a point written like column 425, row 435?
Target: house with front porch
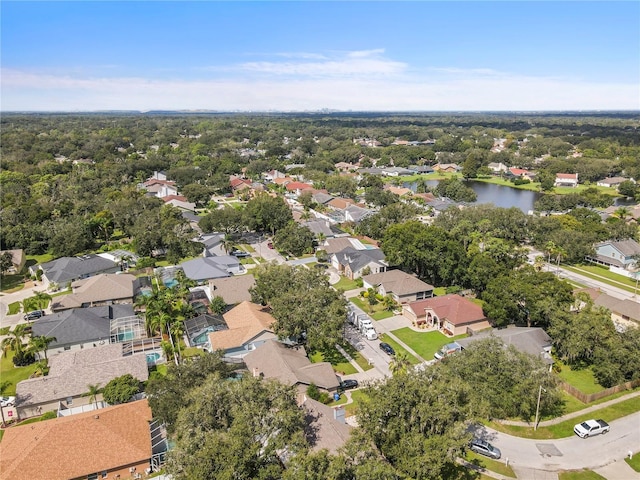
column 452, row 314
column 566, row 180
column 403, row 287
column 621, row 254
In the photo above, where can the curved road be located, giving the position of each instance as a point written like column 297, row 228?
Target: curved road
column 571, row 453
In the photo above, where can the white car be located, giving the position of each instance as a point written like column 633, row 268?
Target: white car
column 590, row 428
column 7, row 401
column 370, row 334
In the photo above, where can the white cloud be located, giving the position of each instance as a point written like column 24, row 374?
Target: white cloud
column 360, row 82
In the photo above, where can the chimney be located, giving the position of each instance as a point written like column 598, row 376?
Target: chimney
column 339, row 414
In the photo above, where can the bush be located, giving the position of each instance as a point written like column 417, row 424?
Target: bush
column 49, row 416
column 359, row 282
column 313, row 392
column 120, row 389
column 22, row 359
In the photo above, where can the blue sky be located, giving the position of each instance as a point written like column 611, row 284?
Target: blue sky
column 502, row 55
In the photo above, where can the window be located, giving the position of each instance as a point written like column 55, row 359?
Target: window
column 92, row 476
column 104, row 474
column 70, row 402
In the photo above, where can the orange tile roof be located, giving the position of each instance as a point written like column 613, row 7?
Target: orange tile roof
column 77, row 445
column 245, row 321
column 453, row 308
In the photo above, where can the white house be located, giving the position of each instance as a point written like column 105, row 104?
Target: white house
column 566, row 180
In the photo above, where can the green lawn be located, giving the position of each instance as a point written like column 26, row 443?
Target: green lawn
column 490, row 464
column 36, row 259
column 11, row 283
column 604, row 275
column 335, row 358
column 378, row 313
column 580, row 475
column 4, row 330
column 14, row 308
column 357, row 356
column 345, row 284
column 634, row 462
column 565, row 429
column 439, row 291
column 583, row 379
column 357, row 396
column 12, row 374
column 424, row 344
column 533, row 186
column 399, row 349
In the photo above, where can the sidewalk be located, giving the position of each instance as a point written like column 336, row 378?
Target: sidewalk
column 571, row 415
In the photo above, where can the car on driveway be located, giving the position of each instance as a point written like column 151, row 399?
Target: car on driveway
column 348, row 384
column 36, row 314
column 240, row 254
column 7, row 401
column 484, row 448
column 590, row 428
column 386, row 348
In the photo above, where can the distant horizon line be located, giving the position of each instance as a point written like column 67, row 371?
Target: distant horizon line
column 324, row 111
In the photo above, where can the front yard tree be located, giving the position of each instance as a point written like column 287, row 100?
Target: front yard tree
column 227, row 220
column 294, row 239
column 6, row 261
column 303, row 304
column 236, row 430
column 265, row 213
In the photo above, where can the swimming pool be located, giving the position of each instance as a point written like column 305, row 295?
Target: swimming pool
column 153, row 357
column 126, row 335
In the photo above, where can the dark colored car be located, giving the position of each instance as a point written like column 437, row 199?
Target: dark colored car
column 484, row 448
column 348, row 384
column 240, row 254
column 34, row 315
column 386, row 348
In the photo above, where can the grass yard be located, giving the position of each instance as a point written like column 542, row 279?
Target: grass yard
column 192, row 352
column 565, row 429
column 357, row 356
column 424, row 344
column 604, row 275
column 357, row 396
column 14, row 308
column 533, row 186
column 580, row 475
column 345, row 284
column 583, row 379
column 36, row 259
column 335, row 358
column 12, row 374
column 399, row 349
column 378, row 313
column 11, row 283
column 5, row 330
column 439, row 291
column 634, row 462
column 490, row 464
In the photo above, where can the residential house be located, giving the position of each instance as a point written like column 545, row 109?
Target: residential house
column 103, row 289
column 113, row 442
column 452, row 314
column 203, row 269
column 618, row 254
column 68, row 269
column 18, row 260
column 79, row 328
column 396, row 171
column 321, row 197
column 611, row 182
column 345, row 167
column 213, row 244
column 400, row 191
column 249, row 326
column 447, row 167
column 238, row 184
column 352, row 262
column 233, row 290
column 404, row 288
column 422, row 169
column 193, row 219
column 531, row 340
column 69, row 375
column 624, row 313
column 319, row 226
column 180, row 202
column 497, row 168
column 290, row 366
column 297, row 187
column 521, row 173
column 355, row 213
column 271, row 175
column 124, row 258
column 566, row 180
column 326, row 428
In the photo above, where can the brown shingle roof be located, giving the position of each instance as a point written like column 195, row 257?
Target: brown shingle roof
column 453, row 308
column 99, row 288
column 77, row 445
column 398, row 282
column 290, row 366
column 323, row 431
column 245, row 321
column 232, row 289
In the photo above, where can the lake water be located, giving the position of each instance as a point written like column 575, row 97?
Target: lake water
column 506, row 197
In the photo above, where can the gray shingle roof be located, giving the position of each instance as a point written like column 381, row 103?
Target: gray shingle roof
column 398, row 282
column 80, row 325
column 205, row 268
column 531, row 340
column 66, row 269
column 357, row 259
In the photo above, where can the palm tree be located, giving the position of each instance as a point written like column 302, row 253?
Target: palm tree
column 622, row 213
column 42, row 299
column 389, row 302
column 4, row 386
column 14, row 341
column 400, row 363
column 550, row 248
column 227, row 244
column 560, row 252
column 92, row 393
column 42, row 369
column 177, row 329
column 41, row 343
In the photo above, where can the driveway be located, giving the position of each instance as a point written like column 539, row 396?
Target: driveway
column 263, row 251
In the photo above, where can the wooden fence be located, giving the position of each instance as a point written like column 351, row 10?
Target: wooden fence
column 592, row 397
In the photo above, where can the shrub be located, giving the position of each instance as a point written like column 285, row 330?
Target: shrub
column 49, row 416
column 313, row 392
column 22, row 359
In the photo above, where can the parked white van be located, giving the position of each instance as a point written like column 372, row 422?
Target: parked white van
column 370, row 334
